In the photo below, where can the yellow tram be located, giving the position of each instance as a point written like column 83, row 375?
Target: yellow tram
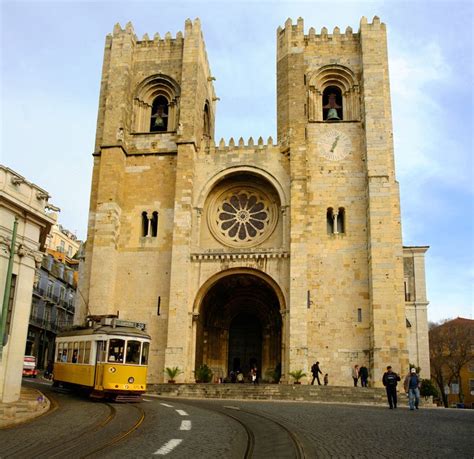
column 108, row 358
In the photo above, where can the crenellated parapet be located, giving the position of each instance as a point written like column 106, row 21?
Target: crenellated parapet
column 211, row 147
column 293, row 36
column 192, row 30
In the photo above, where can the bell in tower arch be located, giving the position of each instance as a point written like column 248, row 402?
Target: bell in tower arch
column 332, row 107
column 332, row 115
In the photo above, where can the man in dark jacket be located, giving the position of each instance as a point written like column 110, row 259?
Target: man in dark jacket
column 315, row 370
column 390, row 380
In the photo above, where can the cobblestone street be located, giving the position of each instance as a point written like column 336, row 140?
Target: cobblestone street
column 182, row 428
column 324, row 430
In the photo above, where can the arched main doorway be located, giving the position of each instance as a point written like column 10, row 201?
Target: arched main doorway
column 239, row 326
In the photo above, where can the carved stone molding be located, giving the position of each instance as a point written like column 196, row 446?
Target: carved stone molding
column 207, row 256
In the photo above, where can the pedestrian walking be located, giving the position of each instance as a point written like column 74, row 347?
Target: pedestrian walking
column 316, row 370
column 390, row 380
column 364, row 375
column 253, row 376
column 326, row 379
column 48, row 374
column 412, row 388
column 355, row 374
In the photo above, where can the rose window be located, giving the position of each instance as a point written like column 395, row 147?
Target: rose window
column 242, row 216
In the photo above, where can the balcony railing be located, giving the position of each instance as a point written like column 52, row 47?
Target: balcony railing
column 41, row 322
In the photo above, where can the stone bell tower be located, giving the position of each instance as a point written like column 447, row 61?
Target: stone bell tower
column 346, row 268
column 157, row 103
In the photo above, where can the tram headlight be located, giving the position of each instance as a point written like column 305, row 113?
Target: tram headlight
column 131, row 380
column 112, row 369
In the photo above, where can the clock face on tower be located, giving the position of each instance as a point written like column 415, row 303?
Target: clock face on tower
column 334, row 145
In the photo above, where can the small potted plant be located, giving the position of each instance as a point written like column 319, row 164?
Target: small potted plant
column 297, row 375
column 172, row 373
column 203, row 374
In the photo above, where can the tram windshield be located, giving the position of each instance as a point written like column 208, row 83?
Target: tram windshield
column 116, row 347
column 133, row 352
column 129, row 351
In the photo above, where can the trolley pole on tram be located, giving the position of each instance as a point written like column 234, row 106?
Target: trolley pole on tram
column 6, row 293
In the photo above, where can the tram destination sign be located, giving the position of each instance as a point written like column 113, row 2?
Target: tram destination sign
column 129, row 323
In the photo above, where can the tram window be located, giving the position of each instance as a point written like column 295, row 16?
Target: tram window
column 146, row 348
column 75, row 353
column 69, row 352
column 81, row 352
column 87, row 352
column 133, row 352
column 116, row 350
column 60, row 352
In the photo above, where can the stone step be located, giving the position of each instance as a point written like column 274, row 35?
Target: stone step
column 326, row 394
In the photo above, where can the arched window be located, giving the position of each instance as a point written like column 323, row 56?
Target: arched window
column 149, row 227
column 334, row 87
column 336, row 220
column 341, row 220
column 330, row 221
column 156, row 105
column 159, row 115
column 332, row 104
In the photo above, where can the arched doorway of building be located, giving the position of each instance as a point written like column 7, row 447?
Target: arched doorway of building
column 239, row 326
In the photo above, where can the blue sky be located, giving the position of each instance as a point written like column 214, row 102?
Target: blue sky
column 51, row 58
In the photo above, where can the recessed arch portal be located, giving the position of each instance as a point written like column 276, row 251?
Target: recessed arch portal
column 239, row 324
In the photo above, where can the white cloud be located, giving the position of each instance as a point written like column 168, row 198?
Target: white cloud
column 422, row 118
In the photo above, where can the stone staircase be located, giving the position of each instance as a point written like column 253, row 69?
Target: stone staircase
column 322, row 394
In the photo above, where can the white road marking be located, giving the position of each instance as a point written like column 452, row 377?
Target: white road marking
column 168, row 447
column 165, row 404
column 145, row 400
column 232, row 408
column 185, row 425
column 182, row 412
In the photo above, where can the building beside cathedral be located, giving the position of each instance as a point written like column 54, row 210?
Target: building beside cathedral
column 270, row 253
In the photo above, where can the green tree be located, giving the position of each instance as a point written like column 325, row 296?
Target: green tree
column 428, row 389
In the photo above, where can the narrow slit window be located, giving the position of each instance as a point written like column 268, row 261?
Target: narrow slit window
column 154, row 224
column 359, row 314
column 207, row 123
column 144, row 224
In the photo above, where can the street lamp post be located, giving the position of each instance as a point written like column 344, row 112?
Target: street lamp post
column 6, row 293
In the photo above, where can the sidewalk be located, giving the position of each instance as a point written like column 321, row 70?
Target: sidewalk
column 32, row 404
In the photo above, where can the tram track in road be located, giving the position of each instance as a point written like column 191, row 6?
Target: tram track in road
column 117, row 422
column 266, row 436
column 60, row 445
column 121, row 435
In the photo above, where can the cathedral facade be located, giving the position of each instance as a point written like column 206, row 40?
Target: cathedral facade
column 267, row 253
